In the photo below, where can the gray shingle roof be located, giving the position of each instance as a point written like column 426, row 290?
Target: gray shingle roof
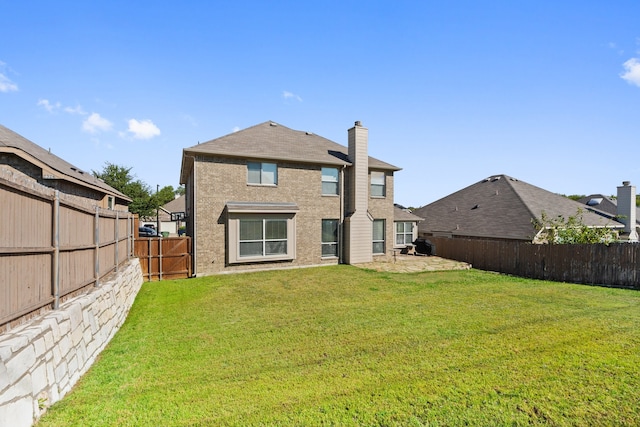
column 404, row 215
column 11, row 140
column 500, row 207
column 272, row 141
column 605, row 204
column 176, row 205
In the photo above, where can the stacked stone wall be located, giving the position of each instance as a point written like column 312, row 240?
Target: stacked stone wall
column 41, row 361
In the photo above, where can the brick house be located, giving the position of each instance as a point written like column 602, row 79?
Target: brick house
column 272, row 197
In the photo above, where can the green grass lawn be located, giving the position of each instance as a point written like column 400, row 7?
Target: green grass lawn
column 345, row 346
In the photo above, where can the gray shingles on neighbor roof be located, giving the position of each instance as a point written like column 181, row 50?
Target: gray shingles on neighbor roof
column 606, row 204
column 272, row 141
column 12, row 140
column 500, row 207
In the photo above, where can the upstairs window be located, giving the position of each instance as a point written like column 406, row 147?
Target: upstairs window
column 262, row 173
column 330, row 181
column 378, row 184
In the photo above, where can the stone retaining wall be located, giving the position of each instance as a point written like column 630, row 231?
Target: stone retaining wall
column 41, row 360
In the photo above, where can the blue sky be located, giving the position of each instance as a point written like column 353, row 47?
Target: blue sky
column 452, row 92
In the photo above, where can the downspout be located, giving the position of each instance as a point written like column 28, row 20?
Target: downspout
column 194, row 252
column 341, row 222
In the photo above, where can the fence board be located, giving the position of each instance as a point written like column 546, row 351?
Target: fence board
column 614, row 265
column 35, row 267
column 164, row 258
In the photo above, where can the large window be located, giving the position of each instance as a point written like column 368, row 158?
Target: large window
column 404, row 233
column 378, row 184
column 263, row 237
column 329, row 237
column 262, row 173
column 378, row 236
column 255, row 236
column 329, row 181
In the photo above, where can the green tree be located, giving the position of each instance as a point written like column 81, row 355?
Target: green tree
column 144, row 203
column 573, row 230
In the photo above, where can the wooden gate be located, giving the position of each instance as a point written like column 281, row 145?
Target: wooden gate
column 164, row 258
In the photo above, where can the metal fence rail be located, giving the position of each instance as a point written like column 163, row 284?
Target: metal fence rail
column 52, row 246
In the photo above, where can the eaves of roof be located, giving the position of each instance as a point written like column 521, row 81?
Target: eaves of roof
column 53, row 167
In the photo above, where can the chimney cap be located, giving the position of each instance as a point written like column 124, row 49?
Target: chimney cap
column 626, row 183
column 358, row 123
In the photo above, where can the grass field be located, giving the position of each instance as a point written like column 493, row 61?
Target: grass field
column 345, row 346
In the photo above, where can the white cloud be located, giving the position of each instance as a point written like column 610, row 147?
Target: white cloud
column 289, row 95
column 144, row 129
column 6, row 85
column 75, row 110
column 44, row 103
column 632, row 71
column 95, row 123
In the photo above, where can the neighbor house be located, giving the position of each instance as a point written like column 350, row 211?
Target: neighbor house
column 171, row 217
column 19, row 155
column 622, row 208
column 504, row 208
column 273, row 197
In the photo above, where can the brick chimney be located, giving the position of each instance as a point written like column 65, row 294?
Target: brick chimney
column 627, row 211
column 358, row 223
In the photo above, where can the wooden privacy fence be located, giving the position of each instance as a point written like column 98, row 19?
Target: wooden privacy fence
column 52, row 245
column 164, row 258
column 615, row 265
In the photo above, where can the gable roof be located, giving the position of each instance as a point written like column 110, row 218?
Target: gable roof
column 272, row 141
column 52, row 166
column 176, row 205
column 500, row 207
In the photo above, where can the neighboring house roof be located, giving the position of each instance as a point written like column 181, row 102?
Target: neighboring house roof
column 53, row 167
column 605, row 204
column 404, row 215
column 176, row 205
column 500, row 207
column 272, row 141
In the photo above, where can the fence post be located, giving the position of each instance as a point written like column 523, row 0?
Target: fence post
column 56, row 250
column 159, row 258
column 96, row 238
column 117, row 225
column 129, row 236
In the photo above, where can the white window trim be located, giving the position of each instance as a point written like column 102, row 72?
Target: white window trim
column 233, row 253
column 395, row 233
column 337, row 182
column 383, row 240
column 383, row 185
column 336, row 243
column 262, row 183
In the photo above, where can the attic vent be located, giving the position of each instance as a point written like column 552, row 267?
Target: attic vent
column 495, row 178
column 309, row 133
column 595, row 201
column 475, row 207
column 273, row 124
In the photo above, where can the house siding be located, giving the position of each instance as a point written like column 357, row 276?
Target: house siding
column 220, row 180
